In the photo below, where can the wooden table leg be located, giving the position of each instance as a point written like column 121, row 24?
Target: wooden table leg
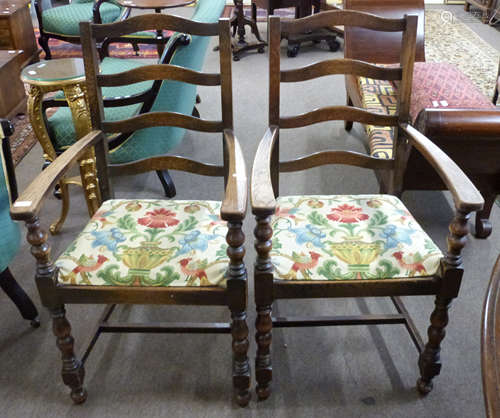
column 238, row 22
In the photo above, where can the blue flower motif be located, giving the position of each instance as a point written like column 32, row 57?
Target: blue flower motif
column 195, row 240
column 395, row 235
column 108, row 238
column 310, row 234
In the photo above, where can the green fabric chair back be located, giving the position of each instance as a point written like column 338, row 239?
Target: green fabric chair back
column 173, row 96
column 10, row 234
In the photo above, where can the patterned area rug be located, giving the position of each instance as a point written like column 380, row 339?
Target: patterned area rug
column 61, row 49
column 447, row 39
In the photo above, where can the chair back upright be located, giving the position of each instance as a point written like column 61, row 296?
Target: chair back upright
column 347, row 66
column 92, row 34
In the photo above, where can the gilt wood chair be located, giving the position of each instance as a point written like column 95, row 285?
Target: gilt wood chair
column 11, row 237
column 148, row 251
column 62, row 22
column 331, row 246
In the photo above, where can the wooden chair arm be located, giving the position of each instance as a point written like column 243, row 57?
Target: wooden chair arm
column 28, row 205
column 234, row 206
column 465, row 195
column 261, row 190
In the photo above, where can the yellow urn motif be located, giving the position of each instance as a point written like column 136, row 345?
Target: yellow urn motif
column 146, row 257
column 357, row 254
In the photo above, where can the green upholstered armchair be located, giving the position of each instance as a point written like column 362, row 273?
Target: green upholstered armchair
column 125, row 102
column 10, row 236
column 62, row 22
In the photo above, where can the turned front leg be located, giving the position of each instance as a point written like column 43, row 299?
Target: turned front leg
column 263, row 299
column 429, row 361
column 73, row 372
column 237, row 295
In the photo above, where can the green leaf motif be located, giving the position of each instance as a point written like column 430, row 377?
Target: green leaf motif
column 387, row 270
column 276, row 244
column 316, row 219
column 127, row 222
column 111, row 275
column 221, row 252
column 187, row 225
column 327, row 270
column 378, row 219
column 166, row 278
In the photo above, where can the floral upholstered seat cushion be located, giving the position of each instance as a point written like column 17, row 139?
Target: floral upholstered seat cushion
column 149, row 243
column 349, row 238
column 434, row 85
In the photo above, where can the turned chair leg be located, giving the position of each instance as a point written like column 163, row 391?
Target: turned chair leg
column 241, row 366
column 73, row 372
column 19, row 297
column 429, row 361
column 263, row 364
column 43, row 41
column 483, row 224
column 167, row 183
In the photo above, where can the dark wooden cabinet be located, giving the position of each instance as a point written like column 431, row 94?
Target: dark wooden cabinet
column 12, row 95
column 16, row 30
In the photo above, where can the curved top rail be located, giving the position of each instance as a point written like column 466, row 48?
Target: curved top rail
column 151, row 22
column 342, row 17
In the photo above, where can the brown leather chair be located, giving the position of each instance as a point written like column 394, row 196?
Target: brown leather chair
column 475, row 130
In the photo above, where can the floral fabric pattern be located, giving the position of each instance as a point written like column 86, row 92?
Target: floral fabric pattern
column 149, row 243
column 349, row 238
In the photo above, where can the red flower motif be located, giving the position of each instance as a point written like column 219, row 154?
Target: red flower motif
column 284, row 212
column 347, row 214
column 159, row 218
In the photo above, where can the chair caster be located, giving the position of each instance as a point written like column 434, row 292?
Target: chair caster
column 292, row 51
column 236, row 58
column 483, row 228
column 35, row 323
column 260, row 50
column 334, row 45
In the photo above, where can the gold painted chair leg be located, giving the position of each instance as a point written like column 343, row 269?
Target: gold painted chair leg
column 55, row 228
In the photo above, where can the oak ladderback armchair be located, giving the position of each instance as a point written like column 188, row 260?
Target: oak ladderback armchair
column 331, row 246
column 144, row 251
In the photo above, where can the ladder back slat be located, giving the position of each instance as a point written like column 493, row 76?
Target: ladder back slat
column 152, row 119
column 169, row 162
column 332, row 113
column 339, row 18
column 158, row 72
column 155, row 21
column 341, row 66
column 336, row 157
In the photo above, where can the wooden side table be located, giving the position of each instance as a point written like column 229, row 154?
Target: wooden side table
column 12, row 96
column 158, row 6
column 16, row 30
column 68, row 75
